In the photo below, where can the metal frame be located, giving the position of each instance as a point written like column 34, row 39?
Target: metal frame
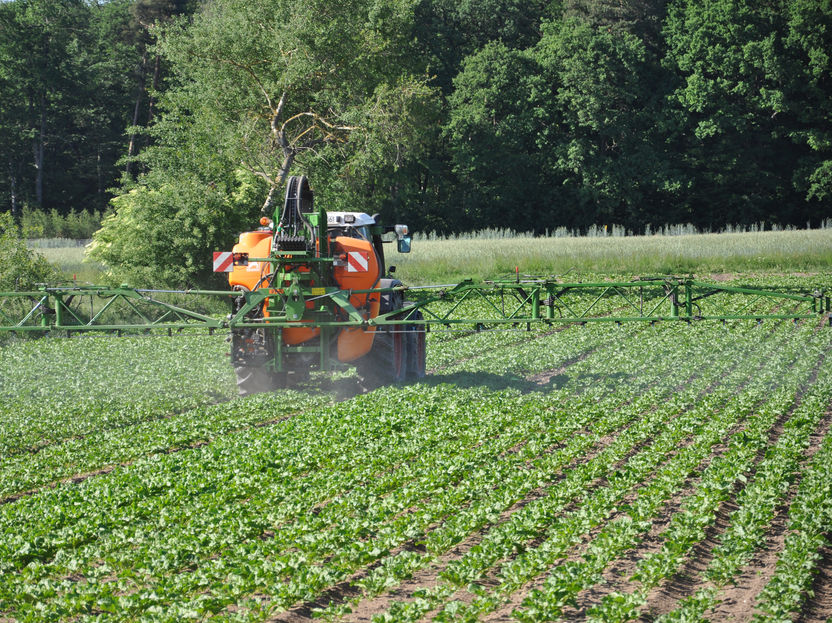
column 96, row 308
column 512, row 302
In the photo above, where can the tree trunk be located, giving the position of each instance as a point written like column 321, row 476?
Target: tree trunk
column 278, row 183
column 38, row 149
column 99, row 172
column 13, row 194
column 131, row 146
column 157, row 70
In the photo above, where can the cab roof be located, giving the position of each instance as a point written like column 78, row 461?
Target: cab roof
column 349, row 219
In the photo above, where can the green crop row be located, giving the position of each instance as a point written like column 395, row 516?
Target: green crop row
column 564, row 531
column 57, row 389
column 421, row 605
column 810, row 516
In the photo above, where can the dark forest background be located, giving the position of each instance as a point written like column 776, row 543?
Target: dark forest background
column 451, row 115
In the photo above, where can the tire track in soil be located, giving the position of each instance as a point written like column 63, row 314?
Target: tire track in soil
column 737, row 601
column 665, row 597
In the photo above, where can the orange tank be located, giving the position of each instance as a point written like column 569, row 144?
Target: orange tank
column 359, row 270
column 259, row 244
column 256, row 244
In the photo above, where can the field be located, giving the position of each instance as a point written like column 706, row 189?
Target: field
column 667, row 472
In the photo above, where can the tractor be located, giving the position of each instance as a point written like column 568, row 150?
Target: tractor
column 320, row 268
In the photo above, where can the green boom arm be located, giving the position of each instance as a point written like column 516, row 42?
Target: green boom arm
column 465, row 305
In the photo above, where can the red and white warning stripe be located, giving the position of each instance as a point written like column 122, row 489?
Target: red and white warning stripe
column 223, row 261
column 358, row 261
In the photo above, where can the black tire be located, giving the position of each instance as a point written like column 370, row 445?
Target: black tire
column 416, row 351
column 386, row 363
column 389, row 300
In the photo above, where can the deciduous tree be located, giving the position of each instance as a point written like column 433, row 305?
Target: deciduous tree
column 258, row 88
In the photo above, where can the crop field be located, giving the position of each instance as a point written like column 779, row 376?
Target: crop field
column 654, row 472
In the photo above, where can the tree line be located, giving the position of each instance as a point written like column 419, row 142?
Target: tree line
column 452, row 115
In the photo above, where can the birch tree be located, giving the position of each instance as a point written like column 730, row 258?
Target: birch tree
column 256, row 90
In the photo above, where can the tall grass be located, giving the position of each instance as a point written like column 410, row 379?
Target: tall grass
column 67, row 254
column 614, row 231
column 489, row 255
column 495, row 253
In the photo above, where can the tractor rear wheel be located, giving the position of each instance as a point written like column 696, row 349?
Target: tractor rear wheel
column 386, row 363
column 416, row 351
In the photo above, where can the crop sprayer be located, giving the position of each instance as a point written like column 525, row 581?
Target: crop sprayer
column 310, row 289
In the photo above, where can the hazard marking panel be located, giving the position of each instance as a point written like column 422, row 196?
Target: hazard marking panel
column 223, row 261
column 358, row 261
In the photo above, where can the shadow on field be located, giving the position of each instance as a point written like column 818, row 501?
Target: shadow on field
column 522, row 384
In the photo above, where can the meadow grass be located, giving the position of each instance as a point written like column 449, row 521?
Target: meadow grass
column 487, row 257
column 67, row 255
column 449, row 260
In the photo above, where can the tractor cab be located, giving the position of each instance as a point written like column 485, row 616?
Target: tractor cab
column 362, row 226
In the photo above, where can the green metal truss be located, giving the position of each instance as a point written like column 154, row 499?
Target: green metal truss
column 477, row 305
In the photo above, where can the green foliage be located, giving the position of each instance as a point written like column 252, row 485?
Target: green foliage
column 78, row 224
column 450, row 115
column 491, row 125
column 754, row 88
column 600, row 135
column 163, row 233
column 257, row 87
column 67, row 82
column 20, row 268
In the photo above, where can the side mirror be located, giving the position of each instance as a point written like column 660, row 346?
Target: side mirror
column 404, row 244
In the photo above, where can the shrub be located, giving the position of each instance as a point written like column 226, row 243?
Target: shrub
column 20, row 268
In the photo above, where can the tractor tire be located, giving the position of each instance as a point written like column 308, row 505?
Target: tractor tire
column 256, row 380
column 388, row 360
column 386, row 363
column 416, row 351
column 389, row 300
